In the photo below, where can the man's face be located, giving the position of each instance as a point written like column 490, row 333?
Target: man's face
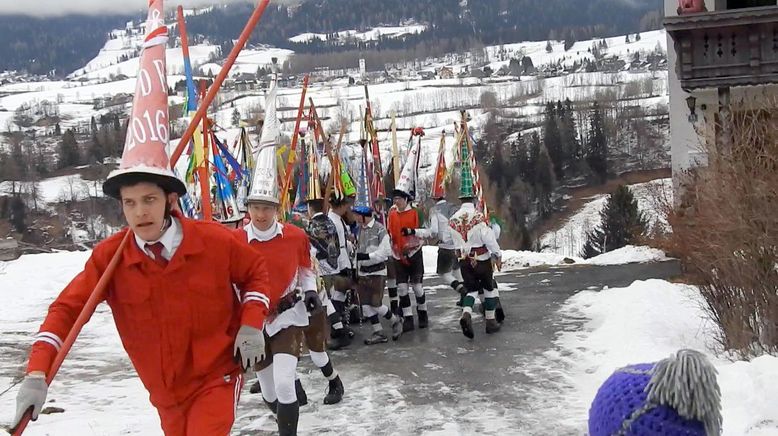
column 263, row 215
column 144, row 209
column 400, row 202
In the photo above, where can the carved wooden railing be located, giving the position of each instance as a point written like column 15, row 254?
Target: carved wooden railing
column 726, row 48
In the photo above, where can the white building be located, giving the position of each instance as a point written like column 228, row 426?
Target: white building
column 723, row 56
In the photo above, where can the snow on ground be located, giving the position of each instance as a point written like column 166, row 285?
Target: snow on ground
column 369, row 35
column 628, row 254
column 570, row 238
column 646, row 322
column 61, row 188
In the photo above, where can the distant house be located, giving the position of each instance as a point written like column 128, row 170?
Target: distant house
column 445, row 73
column 427, row 75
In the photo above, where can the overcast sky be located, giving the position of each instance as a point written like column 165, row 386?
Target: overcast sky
column 42, row 8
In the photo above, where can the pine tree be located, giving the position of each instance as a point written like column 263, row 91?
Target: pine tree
column 57, row 130
column 235, row 117
column 626, row 39
column 68, row 150
column 96, row 148
column 544, row 181
column 549, row 47
column 553, row 141
column 622, row 224
column 597, row 147
column 568, row 132
column 637, row 36
column 18, row 213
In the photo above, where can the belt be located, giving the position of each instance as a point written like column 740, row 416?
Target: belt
column 287, row 302
column 478, row 251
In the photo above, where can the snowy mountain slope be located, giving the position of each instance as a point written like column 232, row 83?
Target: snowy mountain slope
column 368, row 35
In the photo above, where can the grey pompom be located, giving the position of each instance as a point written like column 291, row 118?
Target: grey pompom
column 687, row 383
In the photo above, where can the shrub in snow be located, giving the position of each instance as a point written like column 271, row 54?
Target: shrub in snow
column 724, row 231
column 622, row 224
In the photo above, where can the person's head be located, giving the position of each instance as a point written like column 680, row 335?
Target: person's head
column 400, row 201
column 315, row 206
column 146, row 206
column 263, row 214
column 340, row 206
column 362, row 215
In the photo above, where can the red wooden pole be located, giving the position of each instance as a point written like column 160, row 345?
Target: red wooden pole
column 94, row 299
column 214, row 89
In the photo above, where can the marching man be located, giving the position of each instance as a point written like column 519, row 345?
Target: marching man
column 373, row 250
column 408, row 260
column 171, row 295
column 478, row 249
column 286, row 250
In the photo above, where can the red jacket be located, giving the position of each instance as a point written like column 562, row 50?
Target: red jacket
column 397, row 221
column 177, row 324
column 283, row 255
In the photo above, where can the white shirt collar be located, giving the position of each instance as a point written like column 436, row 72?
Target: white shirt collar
column 441, row 201
column 371, row 223
column 468, row 205
column 170, row 240
column 254, row 233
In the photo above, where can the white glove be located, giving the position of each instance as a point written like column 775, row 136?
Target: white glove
column 249, row 346
column 31, row 394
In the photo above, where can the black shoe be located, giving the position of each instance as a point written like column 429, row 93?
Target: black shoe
column 255, row 388
column 459, row 303
column 302, row 397
column 423, row 319
column 466, row 322
column 288, row 415
column 355, row 318
column 376, row 338
column 334, row 392
column 492, row 326
column 408, row 324
column 272, row 406
column 397, row 328
column 499, row 314
column 340, row 340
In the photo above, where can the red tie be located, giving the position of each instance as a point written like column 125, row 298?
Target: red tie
column 156, row 249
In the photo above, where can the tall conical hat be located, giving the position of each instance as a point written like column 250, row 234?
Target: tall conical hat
column 145, row 155
column 439, row 182
column 314, row 187
column 466, row 178
column 362, row 204
column 406, row 185
column 264, row 183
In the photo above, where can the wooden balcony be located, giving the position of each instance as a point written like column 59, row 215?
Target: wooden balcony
column 726, row 48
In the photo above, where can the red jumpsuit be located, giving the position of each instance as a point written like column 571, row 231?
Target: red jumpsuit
column 177, row 324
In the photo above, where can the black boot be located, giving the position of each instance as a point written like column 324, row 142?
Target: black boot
column 492, row 326
column 466, row 322
column 340, row 339
column 302, row 397
column 255, row 388
column 408, row 324
column 498, row 312
column 288, row 415
column 376, row 338
column 272, row 406
column 334, row 391
column 423, row 320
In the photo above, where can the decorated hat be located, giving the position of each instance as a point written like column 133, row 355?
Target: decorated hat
column 439, row 182
column 362, row 204
column 677, row 395
column 264, row 183
column 145, row 155
column 406, row 184
column 466, row 185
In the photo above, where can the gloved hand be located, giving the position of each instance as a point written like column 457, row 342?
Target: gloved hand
column 312, row 301
column 363, row 256
column 407, row 231
column 31, row 394
column 249, row 346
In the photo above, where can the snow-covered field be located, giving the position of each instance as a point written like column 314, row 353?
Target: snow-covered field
column 57, row 189
column 646, row 322
column 571, row 237
column 368, row 35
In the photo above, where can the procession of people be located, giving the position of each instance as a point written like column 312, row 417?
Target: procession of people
column 201, row 305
